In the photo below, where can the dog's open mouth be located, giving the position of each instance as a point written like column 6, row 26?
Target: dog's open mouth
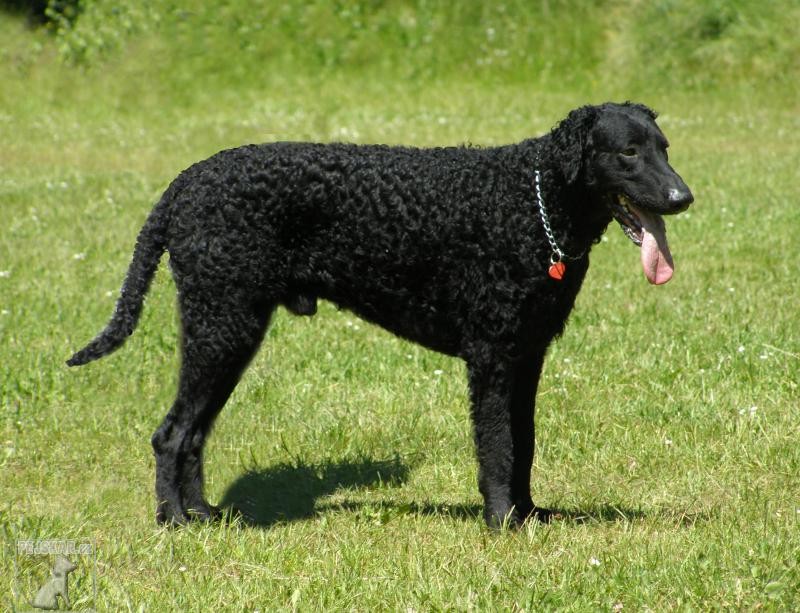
column 648, row 232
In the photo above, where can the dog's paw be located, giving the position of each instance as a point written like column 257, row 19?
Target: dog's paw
column 542, row 515
column 167, row 515
column 516, row 516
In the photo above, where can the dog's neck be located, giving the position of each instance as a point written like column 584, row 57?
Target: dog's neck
column 577, row 216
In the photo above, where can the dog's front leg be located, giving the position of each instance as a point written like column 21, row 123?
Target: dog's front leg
column 523, row 401
column 491, row 386
column 502, row 395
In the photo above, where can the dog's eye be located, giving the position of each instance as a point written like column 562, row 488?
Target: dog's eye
column 630, row 152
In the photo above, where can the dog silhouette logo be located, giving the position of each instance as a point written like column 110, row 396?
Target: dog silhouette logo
column 56, row 586
column 42, row 572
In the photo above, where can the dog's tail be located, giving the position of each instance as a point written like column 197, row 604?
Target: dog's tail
column 150, row 245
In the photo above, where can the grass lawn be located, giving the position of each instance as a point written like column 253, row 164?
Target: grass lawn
column 668, row 419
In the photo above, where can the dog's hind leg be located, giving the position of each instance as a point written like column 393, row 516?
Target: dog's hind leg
column 219, row 339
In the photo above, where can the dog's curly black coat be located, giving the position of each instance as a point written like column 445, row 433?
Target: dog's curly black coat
column 444, row 247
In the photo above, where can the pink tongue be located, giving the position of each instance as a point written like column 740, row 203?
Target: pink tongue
column 656, row 258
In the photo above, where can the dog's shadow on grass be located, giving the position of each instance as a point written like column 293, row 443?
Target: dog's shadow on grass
column 597, row 514
column 608, row 514
column 289, row 492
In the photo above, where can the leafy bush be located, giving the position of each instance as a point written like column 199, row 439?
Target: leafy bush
column 574, row 43
column 716, row 42
column 42, row 11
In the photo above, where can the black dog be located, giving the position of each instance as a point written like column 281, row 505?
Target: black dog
column 474, row 252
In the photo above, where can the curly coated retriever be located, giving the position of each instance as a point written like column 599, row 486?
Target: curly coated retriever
column 474, row 252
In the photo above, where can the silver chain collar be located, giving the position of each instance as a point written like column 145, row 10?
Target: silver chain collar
column 558, row 254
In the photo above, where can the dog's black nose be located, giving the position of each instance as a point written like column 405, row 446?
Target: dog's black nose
column 680, row 199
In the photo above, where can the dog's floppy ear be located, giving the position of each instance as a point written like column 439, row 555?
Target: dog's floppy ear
column 571, row 139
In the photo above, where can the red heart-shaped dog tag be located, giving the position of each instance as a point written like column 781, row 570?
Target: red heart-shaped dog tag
column 557, row 270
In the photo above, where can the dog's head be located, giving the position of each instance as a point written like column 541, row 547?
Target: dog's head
column 62, row 566
column 620, row 154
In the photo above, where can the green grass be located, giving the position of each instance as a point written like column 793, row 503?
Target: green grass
column 668, row 418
